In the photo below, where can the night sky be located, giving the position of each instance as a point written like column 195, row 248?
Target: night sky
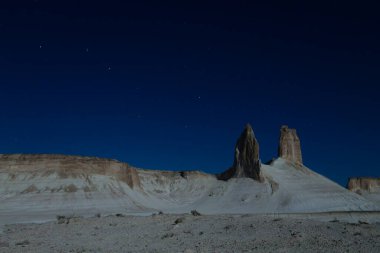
column 171, row 86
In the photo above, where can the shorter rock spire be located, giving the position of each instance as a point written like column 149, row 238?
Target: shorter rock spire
column 289, row 147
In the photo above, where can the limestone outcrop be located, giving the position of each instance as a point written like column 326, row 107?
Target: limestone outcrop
column 247, row 162
column 364, row 184
column 130, row 176
column 69, row 167
column 289, row 145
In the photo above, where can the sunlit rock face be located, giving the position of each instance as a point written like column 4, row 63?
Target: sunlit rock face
column 364, row 184
column 247, row 162
column 289, row 145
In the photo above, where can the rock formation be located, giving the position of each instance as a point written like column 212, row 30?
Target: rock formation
column 130, row 176
column 247, row 162
column 66, row 167
column 289, row 145
column 364, row 184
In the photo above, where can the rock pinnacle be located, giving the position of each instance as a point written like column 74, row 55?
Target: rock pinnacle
column 246, row 162
column 289, row 147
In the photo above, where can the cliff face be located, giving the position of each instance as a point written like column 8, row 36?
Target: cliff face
column 246, row 162
column 289, row 145
column 364, row 184
column 68, row 167
column 130, row 176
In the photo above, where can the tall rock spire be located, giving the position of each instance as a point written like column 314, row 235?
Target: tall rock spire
column 247, row 162
column 289, row 147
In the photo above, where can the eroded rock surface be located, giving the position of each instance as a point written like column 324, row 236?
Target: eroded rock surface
column 247, row 162
column 289, row 145
column 66, row 167
column 364, row 184
column 130, row 176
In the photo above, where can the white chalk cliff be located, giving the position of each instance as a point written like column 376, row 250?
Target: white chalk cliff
column 38, row 187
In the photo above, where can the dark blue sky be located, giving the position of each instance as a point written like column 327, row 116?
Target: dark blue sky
column 171, row 86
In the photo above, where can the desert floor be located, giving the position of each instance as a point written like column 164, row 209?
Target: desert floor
column 188, row 233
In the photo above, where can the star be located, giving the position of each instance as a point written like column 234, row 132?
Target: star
column 42, row 44
column 108, row 68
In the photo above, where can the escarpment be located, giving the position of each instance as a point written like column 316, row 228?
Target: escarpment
column 364, row 184
column 65, row 167
column 46, row 185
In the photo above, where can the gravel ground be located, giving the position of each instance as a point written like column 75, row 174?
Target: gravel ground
column 188, row 233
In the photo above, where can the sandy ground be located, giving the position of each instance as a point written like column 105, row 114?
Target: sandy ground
column 188, row 233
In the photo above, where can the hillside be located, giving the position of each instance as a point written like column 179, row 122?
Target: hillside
column 39, row 187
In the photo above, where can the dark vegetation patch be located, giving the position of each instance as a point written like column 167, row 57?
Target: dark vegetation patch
column 30, row 189
column 22, row 243
column 179, row 220
column 70, row 188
